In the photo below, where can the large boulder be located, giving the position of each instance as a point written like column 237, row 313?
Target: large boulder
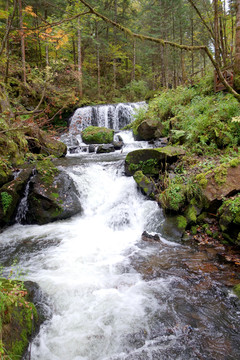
column 151, row 161
column 97, row 135
column 223, row 181
column 52, row 198
column 150, row 129
column 10, row 195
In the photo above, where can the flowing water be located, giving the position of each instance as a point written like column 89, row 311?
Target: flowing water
column 112, row 295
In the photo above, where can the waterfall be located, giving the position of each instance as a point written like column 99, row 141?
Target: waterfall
column 114, row 116
column 23, row 206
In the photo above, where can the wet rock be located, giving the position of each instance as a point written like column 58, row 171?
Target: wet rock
column 146, row 185
column 150, row 238
column 118, row 145
column 105, row 149
column 91, row 148
column 10, row 195
column 51, row 201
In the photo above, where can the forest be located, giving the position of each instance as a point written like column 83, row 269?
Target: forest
column 164, row 186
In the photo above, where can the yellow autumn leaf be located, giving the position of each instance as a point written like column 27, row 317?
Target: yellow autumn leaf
column 29, row 11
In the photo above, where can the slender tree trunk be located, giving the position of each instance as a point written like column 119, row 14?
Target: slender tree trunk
column 7, row 48
column 184, row 79
column 47, row 46
column 134, row 60
column 80, row 59
column 192, row 43
column 115, row 40
column 98, row 62
column 237, row 41
column 22, row 43
column 74, row 52
column 216, row 32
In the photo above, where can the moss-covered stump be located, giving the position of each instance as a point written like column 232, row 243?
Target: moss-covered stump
column 229, row 220
column 146, row 185
column 18, row 319
column 52, row 195
column 221, row 182
column 97, row 135
column 151, row 161
column 150, row 129
column 10, row 195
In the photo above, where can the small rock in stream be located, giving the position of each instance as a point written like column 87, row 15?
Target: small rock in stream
column 150, row 238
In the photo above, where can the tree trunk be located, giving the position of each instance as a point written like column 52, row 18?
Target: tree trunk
column 115, row 41
column 216, row 32
column 98, row 62
column 237, row 41
column 80, row 59
column 134, row 60
column 22, row 43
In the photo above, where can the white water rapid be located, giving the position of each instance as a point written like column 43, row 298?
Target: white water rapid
column 98, row 300
column 114, row 295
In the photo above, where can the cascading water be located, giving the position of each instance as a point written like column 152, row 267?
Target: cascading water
column 115, row 296
column 114, row 116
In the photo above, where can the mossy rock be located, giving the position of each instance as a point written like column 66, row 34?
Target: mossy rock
column 10, row 195
column 150, row 129
column 229, row 221
column 19, row 319
column 52, row 196
column 145, row 184
column 151, row 161
column 221, row 182
column 97, row 135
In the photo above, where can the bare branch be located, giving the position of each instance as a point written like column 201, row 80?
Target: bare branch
column 202, row 19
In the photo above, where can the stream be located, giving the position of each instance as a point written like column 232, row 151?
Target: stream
column 112, row 295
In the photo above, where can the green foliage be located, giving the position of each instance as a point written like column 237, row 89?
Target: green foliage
column 136, row 90
column 178, row 193
column 205, row 117
column 6, row 201
column 16, row 314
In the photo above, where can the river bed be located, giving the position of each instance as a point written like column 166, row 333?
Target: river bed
column 114, row 296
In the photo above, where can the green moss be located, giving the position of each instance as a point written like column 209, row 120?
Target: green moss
column 191, row 214
column 17, row 318
column 202, row 180
column 55, row 195
column 221, row 174
column 234, row 162
column 97, row 135
column 194, row 230
column 181, row 222
column 47, row 170
column 6, row 201
column 236, row 290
